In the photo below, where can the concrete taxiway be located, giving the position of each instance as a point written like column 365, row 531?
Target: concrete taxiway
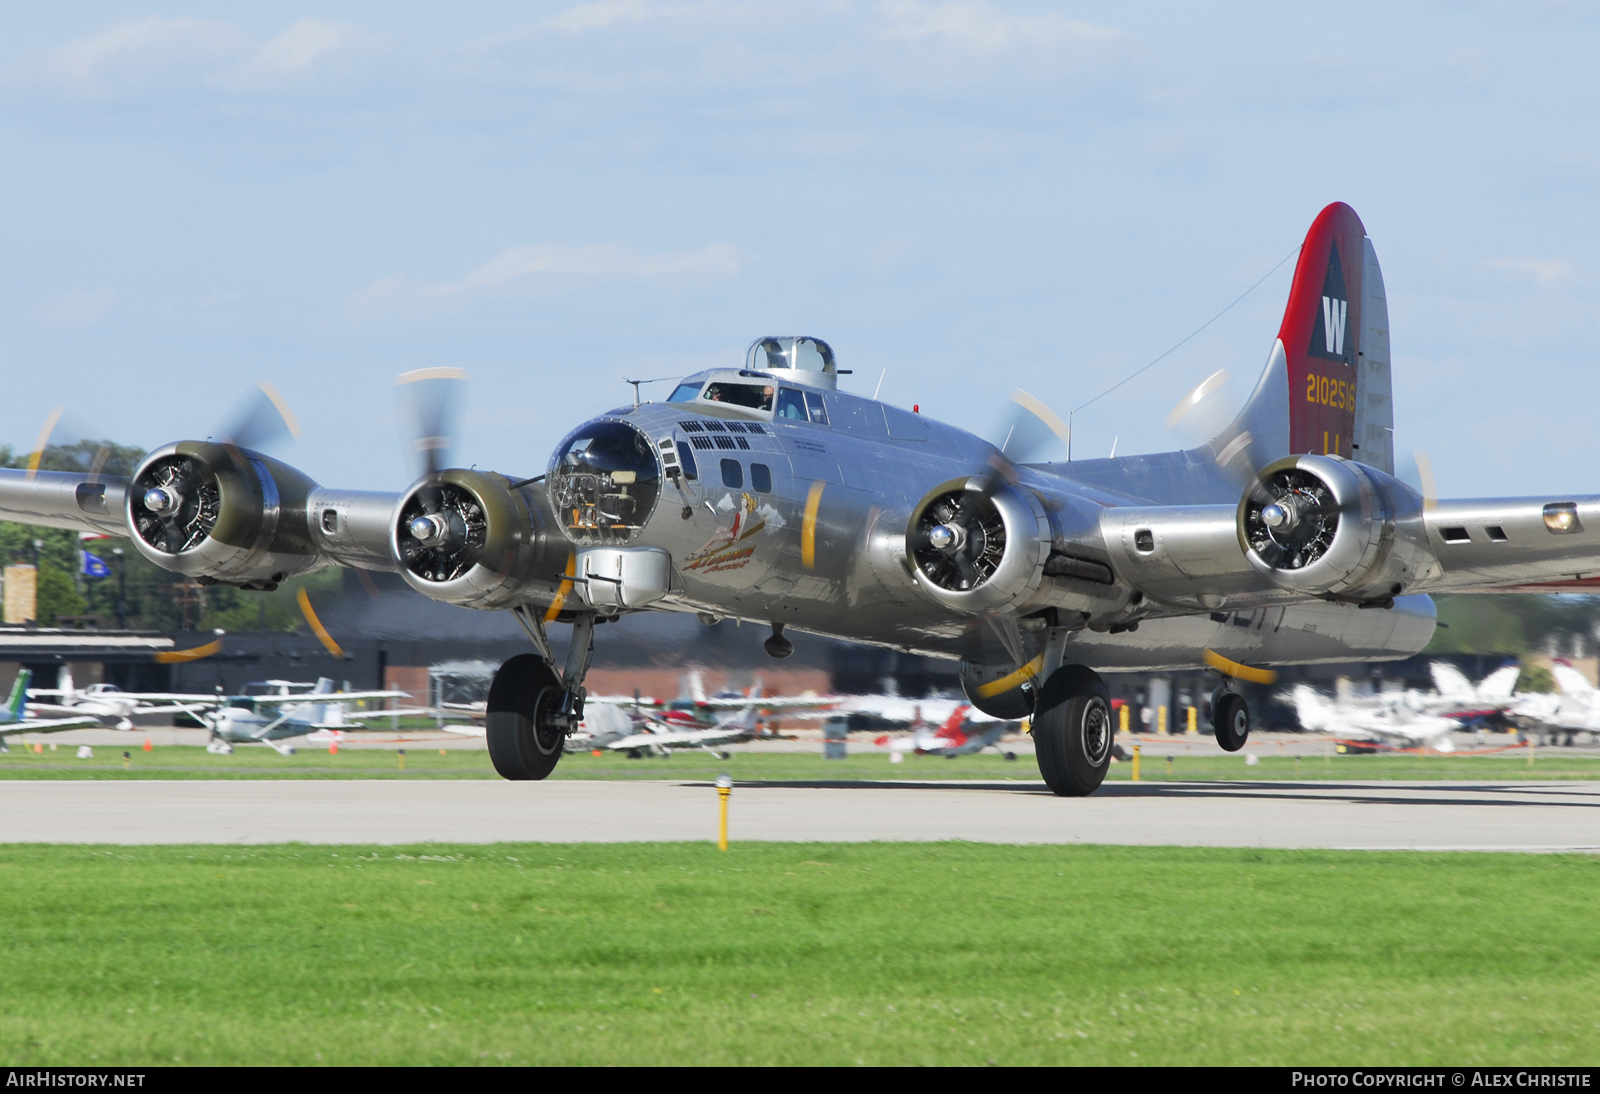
column 1531, row 816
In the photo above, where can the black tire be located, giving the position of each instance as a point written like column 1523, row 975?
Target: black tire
column 1072, row 731
column 1230, row 720
column 523, row 744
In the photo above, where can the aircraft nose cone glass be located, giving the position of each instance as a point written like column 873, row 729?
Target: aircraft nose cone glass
column 1294, row 523
column 604, row 483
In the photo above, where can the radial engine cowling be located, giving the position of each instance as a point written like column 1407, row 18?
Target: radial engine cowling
column 468, row 538
column 221, row 514
column 1327, row 526
column 978, row 551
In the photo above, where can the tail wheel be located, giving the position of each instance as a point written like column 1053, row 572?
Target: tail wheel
column 523, row 741
column 1073, row 732
column 1230, row 720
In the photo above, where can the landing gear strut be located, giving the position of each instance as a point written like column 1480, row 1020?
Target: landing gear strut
column 1230, row 719
column 531, row 711
column 1073, row 731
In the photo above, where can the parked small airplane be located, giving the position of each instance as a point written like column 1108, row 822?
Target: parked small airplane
column 14, row 717
column 651, row 733
column 951, row 739
column 110, row 704
column 1410, row 718
column 283, row 713
column 1575, row 709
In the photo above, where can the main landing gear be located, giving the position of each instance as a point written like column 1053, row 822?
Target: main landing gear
column 1073, row 731
column 1230, row 718
column 531, row 711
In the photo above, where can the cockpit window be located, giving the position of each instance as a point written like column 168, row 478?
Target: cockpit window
column 755, row 396
column 791, row 404
column 684, row 393
column 604, row 483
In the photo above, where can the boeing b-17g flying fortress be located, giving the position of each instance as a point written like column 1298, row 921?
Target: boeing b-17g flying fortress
column 765, row 493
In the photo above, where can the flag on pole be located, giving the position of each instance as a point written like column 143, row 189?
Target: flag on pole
column 94, row 566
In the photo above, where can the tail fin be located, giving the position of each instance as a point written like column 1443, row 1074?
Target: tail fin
column 1326, row 387
column 1500, row 683
column 16, row 706
column 1570, row 680
column 1450, row 683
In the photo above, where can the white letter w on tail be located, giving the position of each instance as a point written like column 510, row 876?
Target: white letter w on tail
column 1333, row 316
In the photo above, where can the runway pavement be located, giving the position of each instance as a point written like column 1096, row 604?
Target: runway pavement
column 1532, row 816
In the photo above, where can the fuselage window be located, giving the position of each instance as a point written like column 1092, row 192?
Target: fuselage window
column 686, row 461
column 792, row 404
column 732, row 474
column 761, row 478
column 819, row 413
column 684, row 393
column 755, row 396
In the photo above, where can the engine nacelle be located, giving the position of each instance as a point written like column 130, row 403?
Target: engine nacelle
column 1327, row 526
column 221, row 514
column 468, row 538
column 978, row 552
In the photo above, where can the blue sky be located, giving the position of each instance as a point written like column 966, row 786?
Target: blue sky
column 973, row 196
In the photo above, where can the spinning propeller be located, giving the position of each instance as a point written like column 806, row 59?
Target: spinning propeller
column 446, row 525
column 960, row 536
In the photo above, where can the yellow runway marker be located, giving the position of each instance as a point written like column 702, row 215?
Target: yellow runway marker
column 724, row 788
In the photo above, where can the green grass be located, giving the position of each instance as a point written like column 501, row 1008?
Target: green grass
column 1205, row 763
column 838, row 954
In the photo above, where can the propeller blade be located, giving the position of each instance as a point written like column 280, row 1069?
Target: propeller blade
column 67, row 444
column 1031, row 430
column 1417, row 473
column 433, row 401
column 262, row 419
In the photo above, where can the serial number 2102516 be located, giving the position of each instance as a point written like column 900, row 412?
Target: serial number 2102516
column 1340, row 394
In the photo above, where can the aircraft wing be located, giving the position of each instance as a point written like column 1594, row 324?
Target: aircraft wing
column 347, row 696
column 53, row 708
column 770, row 702
column 693, row 738
column 404, row 712
column 50, row 725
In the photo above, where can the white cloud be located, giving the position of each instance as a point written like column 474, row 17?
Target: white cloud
column 595, row 259
column 603, row 260
column 603, row 13
column 76, row 309
column 982, row 26
column 1544, row 270
column 306, row 44
column 135, row 55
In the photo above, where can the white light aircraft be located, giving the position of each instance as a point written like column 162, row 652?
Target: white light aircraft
column 109, row 704
column 270, row 719
column 14, row 717
column 1575, row 709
